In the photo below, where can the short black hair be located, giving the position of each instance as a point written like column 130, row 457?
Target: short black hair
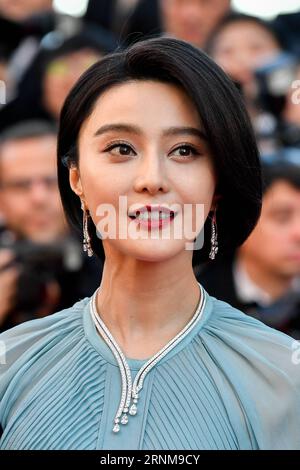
column 224, row 119
column 281, row 171
column 31, row 128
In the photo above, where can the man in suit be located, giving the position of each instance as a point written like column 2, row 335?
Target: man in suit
column 263, row 277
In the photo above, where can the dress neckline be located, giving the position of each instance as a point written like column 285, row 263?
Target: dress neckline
column 101, row 347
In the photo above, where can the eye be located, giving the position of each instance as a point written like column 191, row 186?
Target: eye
column 185, row 151
column 120, row 149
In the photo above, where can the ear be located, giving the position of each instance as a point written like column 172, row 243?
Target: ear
column 75, row 181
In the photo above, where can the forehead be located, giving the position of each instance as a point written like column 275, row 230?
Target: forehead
column 28, row 156
column 149, row 104
column 282, row 192
column 247, row 30
column 207, row 5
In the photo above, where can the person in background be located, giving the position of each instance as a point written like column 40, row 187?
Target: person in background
column 29, row 199
column 190, row 20
column 240, row 44
column 111, row 15
column 262, row 278
column 287, row 27
column 59, row 63
column 250, row 51
column 20, row 10
column 22, row 25
column 35, row 236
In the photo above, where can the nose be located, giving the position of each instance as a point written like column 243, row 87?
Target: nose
column 150, row 176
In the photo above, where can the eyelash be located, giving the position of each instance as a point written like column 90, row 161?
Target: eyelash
column 185, row 146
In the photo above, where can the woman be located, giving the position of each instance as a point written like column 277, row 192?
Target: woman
column 51, row 75
column 151, row 361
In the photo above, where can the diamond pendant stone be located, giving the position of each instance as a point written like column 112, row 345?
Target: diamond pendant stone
column 116, row 428
column 124, row 419
column 133, row 410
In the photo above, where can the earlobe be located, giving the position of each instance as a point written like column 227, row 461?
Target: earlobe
column 75, row 181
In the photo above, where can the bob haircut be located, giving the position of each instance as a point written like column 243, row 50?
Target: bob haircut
column 224, row 120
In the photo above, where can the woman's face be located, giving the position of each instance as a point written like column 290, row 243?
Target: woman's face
column 143, row 141
column 243, row 46
column 61, row 74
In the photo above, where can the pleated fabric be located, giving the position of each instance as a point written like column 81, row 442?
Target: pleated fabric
column 232, row 383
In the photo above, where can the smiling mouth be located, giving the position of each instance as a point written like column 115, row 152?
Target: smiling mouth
column 155, row 218
column 152, row 213
column 152, row 216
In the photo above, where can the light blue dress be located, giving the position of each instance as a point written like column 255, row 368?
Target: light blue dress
column 232, row 383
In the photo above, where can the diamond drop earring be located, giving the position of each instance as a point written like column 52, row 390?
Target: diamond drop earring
column 86, row 237
column 214, row 236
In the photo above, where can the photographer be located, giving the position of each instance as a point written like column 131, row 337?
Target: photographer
column 41, row 264
column 248, row 49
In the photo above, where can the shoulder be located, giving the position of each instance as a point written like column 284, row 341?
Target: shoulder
column 232, row 318
column 253, row 345
column 262, row 366
column 21, row 345
column 240, row 331
column 58, row 323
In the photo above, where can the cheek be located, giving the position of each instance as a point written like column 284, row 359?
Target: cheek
column 276, row 233
column 14, row 206
column 267, row 238
column 197, row 186
column 103, row 186
column 57, row 203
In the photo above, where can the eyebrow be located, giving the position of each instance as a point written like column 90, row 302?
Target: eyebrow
column 171, row 131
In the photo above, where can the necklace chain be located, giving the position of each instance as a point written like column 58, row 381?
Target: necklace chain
column 130, row 391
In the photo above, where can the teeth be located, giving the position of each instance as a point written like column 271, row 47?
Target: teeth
column 153, row 216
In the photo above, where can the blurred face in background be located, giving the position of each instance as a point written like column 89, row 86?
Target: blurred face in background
column 192, row 20
column 20, row 10
column 60, row 76
column 29, row 197
column 240, row 47
column 274, row 245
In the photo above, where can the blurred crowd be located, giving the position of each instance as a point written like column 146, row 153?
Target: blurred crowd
column 43, row 53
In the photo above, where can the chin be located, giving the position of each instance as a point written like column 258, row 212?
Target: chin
column 155, row 251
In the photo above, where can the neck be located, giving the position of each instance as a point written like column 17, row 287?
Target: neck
column 145, row 304
column 273, row 283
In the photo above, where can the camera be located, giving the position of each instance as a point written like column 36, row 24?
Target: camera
column 273, row 82
column 40, row 265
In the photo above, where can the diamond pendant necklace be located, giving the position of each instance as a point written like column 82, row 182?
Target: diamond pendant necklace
column 130, row 391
